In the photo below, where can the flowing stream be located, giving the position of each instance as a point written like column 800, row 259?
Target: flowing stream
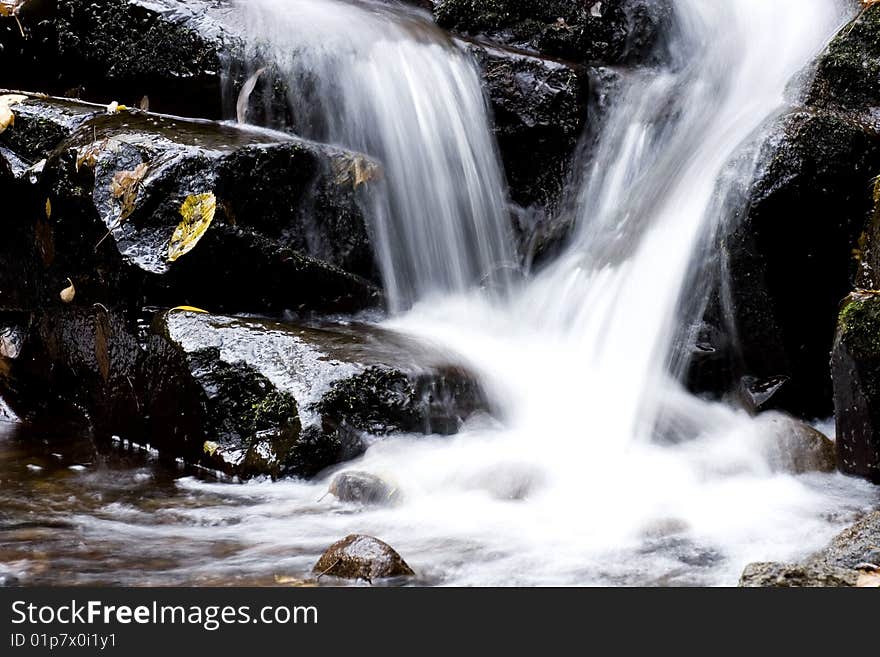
column 572, row 483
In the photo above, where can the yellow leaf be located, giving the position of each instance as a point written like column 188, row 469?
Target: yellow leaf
column 7, row 118
column 210, row 448
column 48, row 208
column 198, row 213
column 115, row 108
column 191, row 309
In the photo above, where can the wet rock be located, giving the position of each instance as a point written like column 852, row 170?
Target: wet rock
column 794, row 446
column 850, row 560
column 42, row 123
column 362, row 488
column 856, row 546
column 788, row 255
column 362, row 557
column 539, row 109
column 171, row 51
column 288, row 231
column 611, row 31
column 847, row 73
column 243, row 396
column 855, row 367
column 779, row 575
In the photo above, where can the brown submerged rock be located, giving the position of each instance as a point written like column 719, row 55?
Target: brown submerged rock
column 362, row 557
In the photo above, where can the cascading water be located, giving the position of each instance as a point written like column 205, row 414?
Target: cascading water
column 570, row 484
column 394, row 86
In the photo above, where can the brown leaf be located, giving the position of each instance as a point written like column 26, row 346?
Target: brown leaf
column 125, row 187
column 355, row 170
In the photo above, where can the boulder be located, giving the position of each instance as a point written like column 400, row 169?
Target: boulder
column 245, row 397
column 847, row 73
column 362, row 557
column 586, row 31
column 786, row 258
column 851, row 560
column 539, row 109
column 794, row 446
column 362, row 488
column 288, row 231
column 855, row 366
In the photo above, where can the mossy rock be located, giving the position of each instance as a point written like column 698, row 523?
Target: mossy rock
column 856, row 375
column 848, row 71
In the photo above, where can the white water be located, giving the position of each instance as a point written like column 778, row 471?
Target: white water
column 568, row 486
column 395, row 87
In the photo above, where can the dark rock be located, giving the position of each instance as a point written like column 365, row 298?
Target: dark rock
column 244, row 396
column 855, row 367
column 362, row 557
column 539, row 109
column 588, row 31
column 788, row 255
column 172, row 51
column 779, row 575
column 288, row 232
column 362, row 488
column 794, row 446
column 848, row 72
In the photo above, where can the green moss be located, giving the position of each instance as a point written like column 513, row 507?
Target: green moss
column 859, row 323
column 849, row 70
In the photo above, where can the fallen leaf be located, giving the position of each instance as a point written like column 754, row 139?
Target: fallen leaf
column 48, row 208
column 11, row 8
column 125, row 186
column 7, row 118
column 210, row 448
column 198, row 213
column 191, row 309
column 68, row 293
column 287, row 580
column 355, row 170
column 115, row 108
column 869, row 580
column 89, row 155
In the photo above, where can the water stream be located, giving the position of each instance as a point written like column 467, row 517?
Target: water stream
column 571, row 483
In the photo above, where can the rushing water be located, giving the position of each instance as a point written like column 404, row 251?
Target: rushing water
column 571, row 483
column 390, row 84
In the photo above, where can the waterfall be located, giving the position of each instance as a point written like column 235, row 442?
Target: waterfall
column 386, row 82
column 569, row 484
